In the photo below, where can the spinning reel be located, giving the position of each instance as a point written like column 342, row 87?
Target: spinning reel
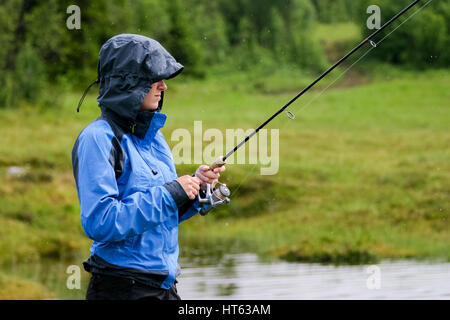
column 210, row 197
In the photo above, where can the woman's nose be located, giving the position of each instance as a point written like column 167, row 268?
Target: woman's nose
column 162, row 85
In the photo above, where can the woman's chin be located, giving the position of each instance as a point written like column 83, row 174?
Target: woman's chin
column 149, row 108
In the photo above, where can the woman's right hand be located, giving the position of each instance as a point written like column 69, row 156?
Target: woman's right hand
column 191, row 185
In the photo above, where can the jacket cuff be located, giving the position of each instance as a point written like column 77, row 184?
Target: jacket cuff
column 178, row 193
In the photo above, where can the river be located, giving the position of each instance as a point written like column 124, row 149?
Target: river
column 244, row 276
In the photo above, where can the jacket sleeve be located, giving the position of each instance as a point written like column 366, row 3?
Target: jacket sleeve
column 190, row 210
column 103, row 216
column 186, row 208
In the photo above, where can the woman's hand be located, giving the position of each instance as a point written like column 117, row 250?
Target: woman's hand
column 191, row 185
column 206, row 175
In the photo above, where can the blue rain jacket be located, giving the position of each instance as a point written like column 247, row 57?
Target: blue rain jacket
column 130, row 203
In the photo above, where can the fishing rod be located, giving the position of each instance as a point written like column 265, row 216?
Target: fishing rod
column 216, row 197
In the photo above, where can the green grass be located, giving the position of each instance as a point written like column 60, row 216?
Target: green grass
column 364, row 170
column 15, row 288
column 337, row 39
column 337, row 32
column 363, row 174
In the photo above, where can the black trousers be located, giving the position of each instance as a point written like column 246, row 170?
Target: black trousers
column 106, row 287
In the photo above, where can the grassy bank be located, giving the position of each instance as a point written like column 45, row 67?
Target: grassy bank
column 363, row 174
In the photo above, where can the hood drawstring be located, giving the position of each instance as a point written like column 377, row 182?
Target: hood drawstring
column 85, row 93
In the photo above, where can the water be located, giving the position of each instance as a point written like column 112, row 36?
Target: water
column 244, row 276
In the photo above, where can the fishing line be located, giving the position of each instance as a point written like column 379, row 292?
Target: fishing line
column 412, row 15
column 303, row 107
column 367, row 52
column 292, row 115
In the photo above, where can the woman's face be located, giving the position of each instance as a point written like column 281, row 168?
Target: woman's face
column 154, row 96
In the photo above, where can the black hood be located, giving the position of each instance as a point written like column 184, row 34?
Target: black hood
column 128, row 66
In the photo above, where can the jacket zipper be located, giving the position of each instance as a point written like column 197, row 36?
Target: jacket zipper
column 164, row 230
column 142, row 157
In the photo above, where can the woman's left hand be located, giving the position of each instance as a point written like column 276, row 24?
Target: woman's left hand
column 206, row 175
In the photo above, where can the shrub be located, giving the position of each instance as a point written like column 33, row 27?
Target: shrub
column 421, row 42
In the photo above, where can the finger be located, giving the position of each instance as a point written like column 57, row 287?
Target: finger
column 191, row 196
column 202, row 177
column 211, row 179
column 195, row 187
column 220, row 169
column 211, row 175
column 196, row 180
column 205, row 181
column 194, row 190
column 195, row 183
column 202, row 169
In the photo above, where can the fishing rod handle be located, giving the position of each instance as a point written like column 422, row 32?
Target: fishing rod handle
column 219, row 162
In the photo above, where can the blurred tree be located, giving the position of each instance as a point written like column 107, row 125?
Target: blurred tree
column 336, row 10
column 9, row 24
column 278, row 36
column 210, row 30
column 180, row 40
column 44, row 36
column 443, row 9
column 420, row 42
column 79, row 52
column 152, row 19
column 281, row 28
column 38, row 47
column 299, row 17
column 30, row 39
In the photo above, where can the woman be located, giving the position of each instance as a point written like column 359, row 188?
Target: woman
column 131, row 198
